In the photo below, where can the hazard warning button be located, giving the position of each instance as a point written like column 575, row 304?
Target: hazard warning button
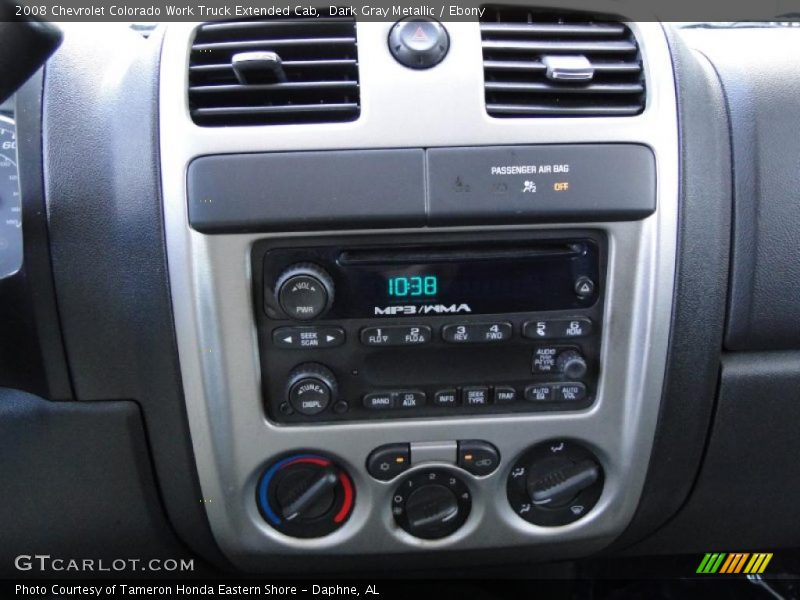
column 419, row 43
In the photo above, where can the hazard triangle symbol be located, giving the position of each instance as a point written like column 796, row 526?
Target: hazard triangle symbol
column 419, row 35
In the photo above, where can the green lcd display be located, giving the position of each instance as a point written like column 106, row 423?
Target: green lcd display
column 418, row 286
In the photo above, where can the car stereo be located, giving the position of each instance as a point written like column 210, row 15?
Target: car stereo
column 352, row 330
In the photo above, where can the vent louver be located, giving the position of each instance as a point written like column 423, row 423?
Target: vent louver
column 565, row 64
column 277, row 71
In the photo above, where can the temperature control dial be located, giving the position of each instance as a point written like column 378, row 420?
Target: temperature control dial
column 304, row 291
column 431, row 504
column 554, row 483
column 305, row 495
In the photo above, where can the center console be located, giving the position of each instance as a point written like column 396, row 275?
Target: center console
column 431, row 326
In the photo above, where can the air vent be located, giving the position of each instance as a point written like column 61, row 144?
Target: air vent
column 565, row 64
column 276, row 71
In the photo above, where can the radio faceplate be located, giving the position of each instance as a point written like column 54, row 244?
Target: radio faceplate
column 467, row 325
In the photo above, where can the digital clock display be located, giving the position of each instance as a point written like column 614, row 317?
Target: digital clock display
column 418, row 286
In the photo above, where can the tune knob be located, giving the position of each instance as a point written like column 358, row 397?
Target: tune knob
column 554, row 483
column 304, row 291
column 431, row 504
column 571, row 364
column 311, row 388
column 305, row 495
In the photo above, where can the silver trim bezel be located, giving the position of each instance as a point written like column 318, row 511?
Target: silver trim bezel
column 210, row 283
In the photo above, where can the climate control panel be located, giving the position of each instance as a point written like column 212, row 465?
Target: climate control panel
column 432, row 486
column 350, row 331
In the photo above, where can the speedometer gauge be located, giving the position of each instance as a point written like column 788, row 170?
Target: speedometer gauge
column 10, row 205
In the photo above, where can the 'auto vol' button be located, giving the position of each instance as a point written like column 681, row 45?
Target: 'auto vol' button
column 396, row 335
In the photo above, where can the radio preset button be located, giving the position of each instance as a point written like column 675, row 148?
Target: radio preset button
column 476, row 333
column 570, row 392
column 446, row 398
column 557, row 328
column 410, row 399
column 308, row 337
column 504, row 395
column 475, row 396
column 539, row 392
column 396, row 335
column 379, row 401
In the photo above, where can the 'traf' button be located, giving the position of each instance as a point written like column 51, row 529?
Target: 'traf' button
column 504, row 395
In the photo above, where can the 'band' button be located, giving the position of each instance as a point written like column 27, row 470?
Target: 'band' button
column 379, row 401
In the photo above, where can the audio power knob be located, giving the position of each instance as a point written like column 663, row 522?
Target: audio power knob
column 305, row 495
column 311, row 388
column 572, row 364
column 304, row 291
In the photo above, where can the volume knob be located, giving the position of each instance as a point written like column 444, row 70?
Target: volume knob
column 304, row 291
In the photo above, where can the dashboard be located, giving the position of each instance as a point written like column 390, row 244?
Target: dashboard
column 329, row 292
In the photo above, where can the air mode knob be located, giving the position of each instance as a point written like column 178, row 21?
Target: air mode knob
column 555, row 483
column 304, row 291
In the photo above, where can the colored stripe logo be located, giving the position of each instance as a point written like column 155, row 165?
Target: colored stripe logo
column 734, row 562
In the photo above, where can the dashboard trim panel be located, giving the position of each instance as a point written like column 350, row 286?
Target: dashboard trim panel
column 211, row 286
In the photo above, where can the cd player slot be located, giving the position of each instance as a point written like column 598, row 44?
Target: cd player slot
column 456, row 254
